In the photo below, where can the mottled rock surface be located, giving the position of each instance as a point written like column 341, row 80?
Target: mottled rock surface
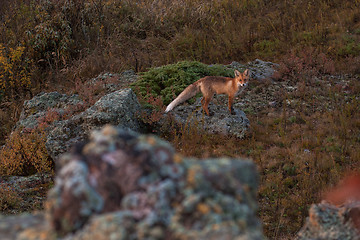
column 14, row 227
column 36, row 108
column 122, row 185
column 220, row 122
column 69, row 119
column 117, row 108
column 338, row 216
column 328, row 222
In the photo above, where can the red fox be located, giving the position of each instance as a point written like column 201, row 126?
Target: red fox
column 210, row 85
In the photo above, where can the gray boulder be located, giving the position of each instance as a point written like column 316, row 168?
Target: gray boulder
column 71, row 123
column 69, row 120
column 221, row 122
column 122, row 185
column 118, row 108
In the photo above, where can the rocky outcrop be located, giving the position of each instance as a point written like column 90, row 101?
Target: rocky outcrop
column 220, row 122
column 117, row 108
column 122, row 185
column 328, row 222
column 71, row 121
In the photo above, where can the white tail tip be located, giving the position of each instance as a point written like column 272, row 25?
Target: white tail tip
column 170, row 107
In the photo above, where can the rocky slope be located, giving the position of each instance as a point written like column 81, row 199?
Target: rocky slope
column 214, row 197
column 73, row 119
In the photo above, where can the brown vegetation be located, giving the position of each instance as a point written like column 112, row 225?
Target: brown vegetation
column 48, row 44
column 301, row 146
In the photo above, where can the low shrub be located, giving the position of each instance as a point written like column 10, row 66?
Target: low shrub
column 170, row 80
column 24, row 154
column 304, row 64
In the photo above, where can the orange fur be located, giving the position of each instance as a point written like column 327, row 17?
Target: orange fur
column 347, row 189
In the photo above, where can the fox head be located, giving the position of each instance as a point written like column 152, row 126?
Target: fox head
column 242, row 78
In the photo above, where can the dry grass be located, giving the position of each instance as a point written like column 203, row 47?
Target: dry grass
column 304, row 144
column 20, row 194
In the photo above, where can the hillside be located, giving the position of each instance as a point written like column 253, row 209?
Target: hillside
column 305, row 127
column 57, row 45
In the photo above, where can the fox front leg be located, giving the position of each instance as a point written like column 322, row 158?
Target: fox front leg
column 231, row 109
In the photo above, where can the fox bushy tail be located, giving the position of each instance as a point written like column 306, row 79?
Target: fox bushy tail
column 188, row 93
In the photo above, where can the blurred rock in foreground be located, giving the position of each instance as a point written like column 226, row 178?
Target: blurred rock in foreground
column 338, row 216
column 328, row 222
column 122, row 185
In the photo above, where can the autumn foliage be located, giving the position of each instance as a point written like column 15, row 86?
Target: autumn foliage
column 25, row 153
column 14, row 72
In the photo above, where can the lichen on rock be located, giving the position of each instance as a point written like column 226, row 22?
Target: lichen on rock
column 123, row 185
column 220, row 122
column 117, row 108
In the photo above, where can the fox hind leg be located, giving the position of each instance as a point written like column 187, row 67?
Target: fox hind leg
column 207, row 93
column 205, row 105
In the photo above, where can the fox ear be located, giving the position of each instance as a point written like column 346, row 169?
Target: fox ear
column 246, row 72
column 237, row 73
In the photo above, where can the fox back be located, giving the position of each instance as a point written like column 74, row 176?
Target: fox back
column 227, row 85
